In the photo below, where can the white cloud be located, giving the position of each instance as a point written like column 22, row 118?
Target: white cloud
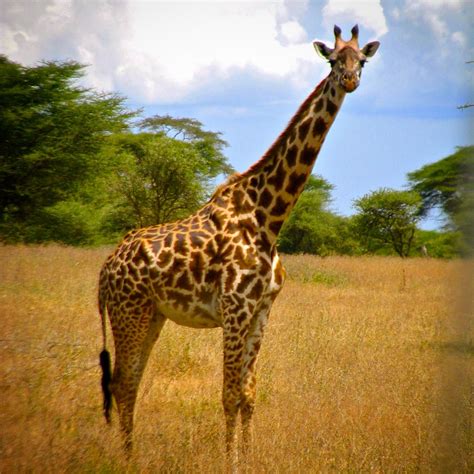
column 212, row 39
column 368, row 14
column 436, row 4
column 437, row 25
column 293, row 32
column 395, row 13
column 160, row 51
column 459, row 38
column 434, row 14
column 66, row 29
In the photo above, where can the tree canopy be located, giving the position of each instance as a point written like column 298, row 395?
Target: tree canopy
column 209, row 144
column 51, row 131
column 448, row 184
column 388, row 217
column 445, row 183
column 159, row 179
column 73, row 170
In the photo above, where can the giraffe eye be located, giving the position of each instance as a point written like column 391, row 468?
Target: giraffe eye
column 362, row 62
column 332, row 62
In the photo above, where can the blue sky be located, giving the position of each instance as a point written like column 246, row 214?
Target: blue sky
column 242, row 68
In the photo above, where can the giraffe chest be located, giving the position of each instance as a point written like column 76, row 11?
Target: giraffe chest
column 278, row 275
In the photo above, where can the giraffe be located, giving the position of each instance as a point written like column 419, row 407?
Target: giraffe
column 219, row 268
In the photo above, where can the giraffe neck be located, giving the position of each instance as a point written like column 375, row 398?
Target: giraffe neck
column 273, row 184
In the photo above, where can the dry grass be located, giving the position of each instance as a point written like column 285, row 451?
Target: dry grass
column 366, row 367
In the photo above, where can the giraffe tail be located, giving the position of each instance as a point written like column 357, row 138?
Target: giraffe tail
column 105, row 364
column 106, row 378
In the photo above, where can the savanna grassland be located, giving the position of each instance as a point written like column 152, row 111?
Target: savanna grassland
column 367, row 366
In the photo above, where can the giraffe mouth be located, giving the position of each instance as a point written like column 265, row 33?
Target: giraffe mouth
column 349, row 81
column 350, row 85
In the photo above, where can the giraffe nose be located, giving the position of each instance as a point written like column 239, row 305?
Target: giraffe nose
column 349, row 81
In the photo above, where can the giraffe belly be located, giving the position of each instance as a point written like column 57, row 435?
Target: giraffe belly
column 196, row 316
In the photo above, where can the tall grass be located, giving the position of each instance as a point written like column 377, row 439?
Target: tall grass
column 366, row 366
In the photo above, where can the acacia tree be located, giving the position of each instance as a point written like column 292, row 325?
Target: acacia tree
column 208, row 144
column 388, row 217
column 159, row 179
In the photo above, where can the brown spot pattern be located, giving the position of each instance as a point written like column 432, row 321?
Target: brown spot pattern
column 279, row 207
column 308, row 155
column 265, row 198
column 278, row 177
column 319, row 127
column 297, row 181
column 331, row 108
column 303, row 129
column 291, row 156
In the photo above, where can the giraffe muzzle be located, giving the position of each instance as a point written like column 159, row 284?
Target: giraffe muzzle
column 349, row 82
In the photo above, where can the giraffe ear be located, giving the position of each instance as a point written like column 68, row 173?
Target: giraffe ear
column 370, row 49
column 322, row 49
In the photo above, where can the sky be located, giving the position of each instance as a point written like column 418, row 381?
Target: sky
column 243, row 67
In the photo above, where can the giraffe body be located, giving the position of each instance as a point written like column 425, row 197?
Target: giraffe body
column 183, row 272
column 220, row 267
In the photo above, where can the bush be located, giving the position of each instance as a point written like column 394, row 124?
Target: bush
column 438, row 244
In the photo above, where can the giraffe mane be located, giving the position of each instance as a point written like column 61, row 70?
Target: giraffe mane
column 233, row 178
column 273, row 149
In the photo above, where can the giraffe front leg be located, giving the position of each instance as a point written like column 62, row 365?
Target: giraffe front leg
column 231, row 402
column 246, row 410
column 248, row 377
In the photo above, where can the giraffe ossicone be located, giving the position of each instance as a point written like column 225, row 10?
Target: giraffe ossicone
column 220, row 267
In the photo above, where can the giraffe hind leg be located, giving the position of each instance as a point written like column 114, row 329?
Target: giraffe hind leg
column 133, row 344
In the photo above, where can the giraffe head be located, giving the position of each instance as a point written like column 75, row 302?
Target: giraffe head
column 346, row 58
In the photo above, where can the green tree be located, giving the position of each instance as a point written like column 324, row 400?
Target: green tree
column 311, row 227
column 438, row 244
column 448, row 184
column 387, row 217
column 159, row 179
column 208, row 144
column 445, row 183
column 51, row 132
